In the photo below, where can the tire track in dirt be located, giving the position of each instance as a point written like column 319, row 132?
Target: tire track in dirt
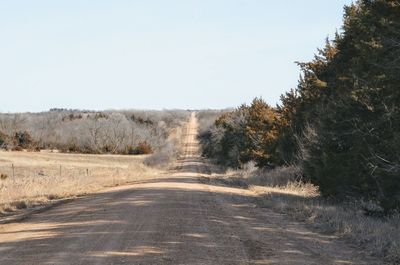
column 176, row 219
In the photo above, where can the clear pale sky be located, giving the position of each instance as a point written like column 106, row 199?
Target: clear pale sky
column 156, row 54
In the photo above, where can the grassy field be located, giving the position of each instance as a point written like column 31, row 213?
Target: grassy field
column 30, row 178
column 281, row 190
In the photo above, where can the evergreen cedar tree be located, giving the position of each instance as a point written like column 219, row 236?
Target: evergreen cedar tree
column 341, row 123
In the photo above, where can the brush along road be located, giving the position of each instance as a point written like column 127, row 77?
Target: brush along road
column 174, row 219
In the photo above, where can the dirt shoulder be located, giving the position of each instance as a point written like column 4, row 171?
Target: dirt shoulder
column 177, row 219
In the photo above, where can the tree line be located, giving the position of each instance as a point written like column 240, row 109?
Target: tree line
column 341, row 123
column 115, row 132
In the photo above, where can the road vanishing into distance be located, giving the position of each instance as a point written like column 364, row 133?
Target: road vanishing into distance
column 174, row 219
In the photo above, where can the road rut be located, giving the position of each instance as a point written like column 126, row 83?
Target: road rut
column 172, row 220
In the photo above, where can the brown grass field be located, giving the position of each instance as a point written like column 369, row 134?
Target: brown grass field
column 30, row 178
column 281, row 190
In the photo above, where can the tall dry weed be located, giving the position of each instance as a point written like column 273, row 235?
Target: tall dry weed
column 283, row 190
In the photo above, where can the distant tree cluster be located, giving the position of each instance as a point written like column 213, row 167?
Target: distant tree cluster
column 206, row 118
column 341, row 123
column 245, row 134
column 116, row 132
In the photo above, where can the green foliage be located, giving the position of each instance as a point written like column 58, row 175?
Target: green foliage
column 225, row 140
column 341, row 123
column 262, row 133
column 356, row 148
column 247, row 133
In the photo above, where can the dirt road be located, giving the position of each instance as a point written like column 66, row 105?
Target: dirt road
column 172, row 220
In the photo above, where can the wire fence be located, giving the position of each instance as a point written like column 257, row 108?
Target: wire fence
column 21, row 182
column 14, row 171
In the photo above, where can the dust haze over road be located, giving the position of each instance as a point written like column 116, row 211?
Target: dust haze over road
column 175, row 219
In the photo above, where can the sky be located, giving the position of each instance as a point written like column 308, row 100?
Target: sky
column 151, row 54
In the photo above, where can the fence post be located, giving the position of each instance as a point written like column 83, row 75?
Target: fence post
column 60, row 170
column 13, row 171
column 87, row 172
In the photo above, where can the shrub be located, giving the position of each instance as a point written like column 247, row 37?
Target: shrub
column 143, row 148
column 130, row 150
column 17, row 148
column 163, row 157
column 3, row 138
column 23, row 140
column 248, row 133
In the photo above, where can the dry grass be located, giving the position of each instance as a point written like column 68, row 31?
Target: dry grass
column 283, row 190
column 169, row 151
column 28, row 178
column 37, row 179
